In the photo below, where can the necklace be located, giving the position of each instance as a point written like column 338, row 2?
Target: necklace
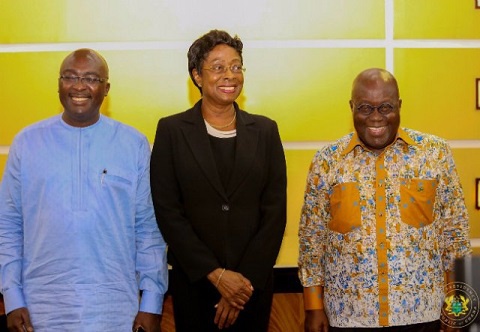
column 225, row 126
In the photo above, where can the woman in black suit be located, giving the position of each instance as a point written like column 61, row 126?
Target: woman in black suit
column 218, row 178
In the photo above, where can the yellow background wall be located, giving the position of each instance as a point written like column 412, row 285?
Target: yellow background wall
column 301, row 57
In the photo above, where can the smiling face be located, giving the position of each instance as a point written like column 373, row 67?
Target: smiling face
column 375, row 87
column 82, row 101
column 220, row 89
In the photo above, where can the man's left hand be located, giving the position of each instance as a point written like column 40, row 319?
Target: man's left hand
column 147, row 321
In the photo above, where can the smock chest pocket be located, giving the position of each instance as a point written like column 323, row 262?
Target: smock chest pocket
column 345, row 208
column 417, row 199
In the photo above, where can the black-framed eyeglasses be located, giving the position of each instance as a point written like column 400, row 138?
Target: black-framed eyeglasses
column 88, row 80
column 220, row 69
column 367, row 109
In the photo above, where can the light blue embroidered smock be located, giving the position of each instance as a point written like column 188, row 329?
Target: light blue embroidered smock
column 78, row 235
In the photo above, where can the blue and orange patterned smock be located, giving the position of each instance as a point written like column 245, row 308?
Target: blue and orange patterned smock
column 378, row 232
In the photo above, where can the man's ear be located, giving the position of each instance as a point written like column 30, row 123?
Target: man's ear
column 107, row 89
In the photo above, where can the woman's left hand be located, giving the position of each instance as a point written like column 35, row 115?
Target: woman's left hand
column 226, row 315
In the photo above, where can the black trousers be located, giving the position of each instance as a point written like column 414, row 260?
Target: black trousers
column 193, row 306
column 422, row 327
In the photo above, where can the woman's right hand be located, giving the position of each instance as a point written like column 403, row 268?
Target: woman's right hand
column 233, row 286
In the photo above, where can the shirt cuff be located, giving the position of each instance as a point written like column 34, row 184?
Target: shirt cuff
column 151, row 302
column 313, row 298
column 14, row 299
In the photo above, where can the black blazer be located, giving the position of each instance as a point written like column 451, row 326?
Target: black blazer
column 206, row 226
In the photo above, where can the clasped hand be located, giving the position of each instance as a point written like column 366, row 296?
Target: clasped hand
column 235, row 290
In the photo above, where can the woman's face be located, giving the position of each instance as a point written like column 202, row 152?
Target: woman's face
column 220, row 85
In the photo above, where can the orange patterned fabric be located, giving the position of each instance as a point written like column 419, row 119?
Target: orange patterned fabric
column 313, row 298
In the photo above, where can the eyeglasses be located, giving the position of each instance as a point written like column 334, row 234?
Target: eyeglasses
column 220, row 69
column 366, row 109
column 88, row 80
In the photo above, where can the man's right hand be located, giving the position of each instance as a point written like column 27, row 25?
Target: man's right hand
column 316, row 321
column 18, row 320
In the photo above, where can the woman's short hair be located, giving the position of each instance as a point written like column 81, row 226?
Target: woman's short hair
column 198, row 51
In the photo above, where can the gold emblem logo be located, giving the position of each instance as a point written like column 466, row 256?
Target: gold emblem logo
column 456, row 305
column 460, row 307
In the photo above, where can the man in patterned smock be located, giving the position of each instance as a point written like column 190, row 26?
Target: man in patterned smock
column 382, row 222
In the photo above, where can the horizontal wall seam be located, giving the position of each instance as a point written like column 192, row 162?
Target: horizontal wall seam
column 249, row 44
column 315, row 145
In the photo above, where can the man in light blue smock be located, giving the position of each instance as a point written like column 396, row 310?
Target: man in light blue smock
column 80, row 249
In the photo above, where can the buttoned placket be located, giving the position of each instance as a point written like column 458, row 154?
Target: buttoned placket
column 382, row 241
